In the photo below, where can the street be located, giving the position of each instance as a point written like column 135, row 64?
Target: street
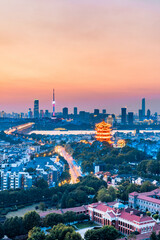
column 75, row 171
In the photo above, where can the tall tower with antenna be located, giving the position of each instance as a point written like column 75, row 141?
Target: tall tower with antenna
column 53, row 104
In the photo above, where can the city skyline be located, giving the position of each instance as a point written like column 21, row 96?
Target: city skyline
column 70, row 110
column 101, row 54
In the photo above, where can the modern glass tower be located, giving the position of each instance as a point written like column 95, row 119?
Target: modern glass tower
column 143, row 107
column 123, row 116
column 36, row 108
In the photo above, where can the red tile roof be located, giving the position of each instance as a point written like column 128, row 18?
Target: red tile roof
column 61, row 211
column 45, row 213
column 76, row 209
column 134, row 194
column 134, row 218
column 149, row 199
column 111, row 214
column 101, row 207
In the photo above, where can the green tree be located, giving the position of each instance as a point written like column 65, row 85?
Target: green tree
column 65, row 176
column 148, row 213
column 53, row 219
column 69, row 216
column 112, row 193
column 147, row 186
column 42, row 206
column 153, row 236
column 41, row 183
column 131, row 188
column 62, row 232
column 54, row 199
column 155, row 216
column 31, row 219
column 72, row 236
column 103, row 195
column 1, row 231
column 14, row 227
column 63, row 200
column 36, row 234
column 104, row 233
column 158, row 156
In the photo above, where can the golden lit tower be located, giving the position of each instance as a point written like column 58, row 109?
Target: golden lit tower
column 103, row 132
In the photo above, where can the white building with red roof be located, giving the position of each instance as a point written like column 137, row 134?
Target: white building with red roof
column 146, row 201
column 124, row 220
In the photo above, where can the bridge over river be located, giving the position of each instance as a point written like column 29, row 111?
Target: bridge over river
column 19, row 128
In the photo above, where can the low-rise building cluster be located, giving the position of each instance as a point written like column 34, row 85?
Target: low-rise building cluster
column 19, row 170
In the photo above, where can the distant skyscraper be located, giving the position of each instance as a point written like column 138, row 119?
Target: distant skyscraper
column 41, row 113
column 29, row 113
column 65, row 112
column 130, row 118
column 110, row 120
column 148, row 114
column 75, row 111
column 143, row 107
column 104, row 111
column 46, row 114
column 140, row 115
column 36, row 108
column 53, row 103
column 123, row 115
column 96, row 111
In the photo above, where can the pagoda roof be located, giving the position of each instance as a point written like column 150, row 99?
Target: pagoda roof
column 103, row 124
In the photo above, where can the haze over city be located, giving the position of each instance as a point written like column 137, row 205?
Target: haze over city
column 96, row 54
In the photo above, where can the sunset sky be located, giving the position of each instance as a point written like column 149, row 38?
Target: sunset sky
column 95, row 53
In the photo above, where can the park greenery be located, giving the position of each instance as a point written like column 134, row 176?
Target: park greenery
column 66, row 218
column 63, row 197
column 104, row 233
column 89, row 189
column 68, row 195
column 155, row 236
column 126, row 160
column 58, row 232
column 89, row 154
column 17, row 226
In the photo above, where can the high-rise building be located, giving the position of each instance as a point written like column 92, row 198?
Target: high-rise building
column 143, row 107
column 29, row 113
column 75, row 111
column 140, row 115
column 65, row 112
column 41, row 113
column 110, row 120
column 53, row 103
column 46, row 114
column 130, row 118
column 148, row 114
column 36, row 108
column 104, row 111
column 123, row 115
column 96, row 111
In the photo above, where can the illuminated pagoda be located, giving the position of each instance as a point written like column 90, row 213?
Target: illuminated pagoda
column 103, row 132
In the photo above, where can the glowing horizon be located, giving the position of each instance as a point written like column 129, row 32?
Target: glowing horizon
column 96, row 54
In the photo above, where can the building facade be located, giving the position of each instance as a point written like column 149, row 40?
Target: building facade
column 14, row 180
column 124, row 220
column 36, row 108
column 147, row 201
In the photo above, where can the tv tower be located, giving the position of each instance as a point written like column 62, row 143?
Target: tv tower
column 53, row 104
